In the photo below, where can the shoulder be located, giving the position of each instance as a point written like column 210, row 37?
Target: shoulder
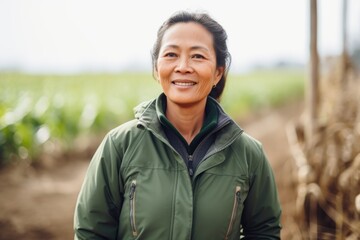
column 128, row 134
column 125, row 131
column 251, row 151
column 122, row 137
column 249, row 144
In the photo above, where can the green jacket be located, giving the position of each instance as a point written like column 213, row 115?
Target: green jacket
column 138, row 187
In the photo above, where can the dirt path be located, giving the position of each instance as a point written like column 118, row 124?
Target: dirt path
column 270, row 129
column 39, row 203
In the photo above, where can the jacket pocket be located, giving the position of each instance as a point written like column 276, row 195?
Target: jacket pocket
column 234, row 211
column 132, row 197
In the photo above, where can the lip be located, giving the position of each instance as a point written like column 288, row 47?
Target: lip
column 183, row 83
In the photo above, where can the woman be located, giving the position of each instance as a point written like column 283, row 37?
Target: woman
column 182, row 169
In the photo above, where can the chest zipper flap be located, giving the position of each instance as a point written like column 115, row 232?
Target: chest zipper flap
column 234, row 211
column 132, row 197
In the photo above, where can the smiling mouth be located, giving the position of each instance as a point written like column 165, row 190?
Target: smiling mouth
column 183, row 84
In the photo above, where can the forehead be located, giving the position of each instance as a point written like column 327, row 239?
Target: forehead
column 187, row 32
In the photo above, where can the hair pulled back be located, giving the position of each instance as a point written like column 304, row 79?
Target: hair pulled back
column 223, row 57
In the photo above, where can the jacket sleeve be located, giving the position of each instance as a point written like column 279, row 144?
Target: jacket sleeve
column 262, row 211
column 100, row 198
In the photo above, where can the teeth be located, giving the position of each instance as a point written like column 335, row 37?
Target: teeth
column 184, row 83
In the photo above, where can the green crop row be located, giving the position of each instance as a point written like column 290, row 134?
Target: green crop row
column 35, row 109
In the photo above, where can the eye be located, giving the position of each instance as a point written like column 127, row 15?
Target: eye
column 198, row 56
column 170, row 54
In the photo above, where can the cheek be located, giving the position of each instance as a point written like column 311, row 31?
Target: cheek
column 163, row 77
column 212, row 79
column 163, row 72
column 210, row 75
column 205, row 88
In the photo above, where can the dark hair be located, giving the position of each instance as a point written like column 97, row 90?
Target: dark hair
column 223, row 57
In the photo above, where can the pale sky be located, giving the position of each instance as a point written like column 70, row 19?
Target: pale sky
column 112, row 35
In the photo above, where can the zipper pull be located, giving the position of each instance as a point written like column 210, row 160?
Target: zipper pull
column 238, row 193
column 132, row 189
column 190, row 165
column 234, row 211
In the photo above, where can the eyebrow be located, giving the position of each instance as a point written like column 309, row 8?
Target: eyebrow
column 192, row 48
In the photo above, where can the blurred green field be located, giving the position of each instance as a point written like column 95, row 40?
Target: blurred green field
column 35, row 109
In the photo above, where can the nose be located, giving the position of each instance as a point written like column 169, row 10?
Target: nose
column 183, row 65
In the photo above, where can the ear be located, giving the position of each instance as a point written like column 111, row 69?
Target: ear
column 156, row 74
column 218, row 74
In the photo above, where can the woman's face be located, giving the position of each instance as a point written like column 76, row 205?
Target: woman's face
column 186, row 67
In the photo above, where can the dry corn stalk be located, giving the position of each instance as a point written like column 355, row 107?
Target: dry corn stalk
column 328, row 170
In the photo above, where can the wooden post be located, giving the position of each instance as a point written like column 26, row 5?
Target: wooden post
column 313, row 83
column 344, row 25
column 344, row 54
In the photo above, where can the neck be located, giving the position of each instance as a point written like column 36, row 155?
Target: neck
column 188, row 120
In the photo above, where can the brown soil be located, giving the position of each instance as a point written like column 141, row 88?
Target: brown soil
column 38, row 202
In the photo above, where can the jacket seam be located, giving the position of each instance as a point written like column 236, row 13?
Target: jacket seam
column 132, row 150
column 173, row 207
column 118, row 156
column 226, row 175
column 156, row 168
column 116, row 150
column 260, row 162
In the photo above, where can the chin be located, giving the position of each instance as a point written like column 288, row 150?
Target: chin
column 185, row 102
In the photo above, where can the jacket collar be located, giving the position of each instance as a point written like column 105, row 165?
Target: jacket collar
column 149, row 112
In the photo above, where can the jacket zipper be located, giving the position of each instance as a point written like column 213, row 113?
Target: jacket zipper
column 191, row 157
column 221, row 125
column 190, row 165
column 234, row 210
column 132, row 197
